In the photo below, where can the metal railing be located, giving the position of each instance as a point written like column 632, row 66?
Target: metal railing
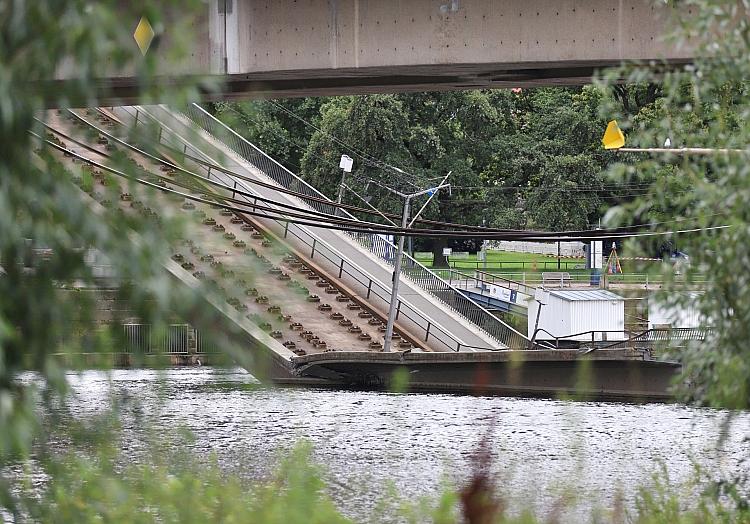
column 584, row 278
column 376, row 244
column 428, row 329
column 204, row 345
column 479, row 282
column 498, row 280
column 140, row 338
column 644, row 339
column 531, row 265
column 662, row 337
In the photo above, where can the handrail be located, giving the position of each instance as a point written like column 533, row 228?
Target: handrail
column 417, row 273
column 431, row 330
column 506, row 282
column 492, row 279
column 649, row 335
column 525, row 278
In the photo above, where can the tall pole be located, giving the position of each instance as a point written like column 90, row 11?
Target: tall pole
column 340, row 197
column 484, row 248
column 345, row 164
column 396, row 279
column 405, row 224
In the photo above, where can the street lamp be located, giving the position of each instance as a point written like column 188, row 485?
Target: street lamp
column 345, row 164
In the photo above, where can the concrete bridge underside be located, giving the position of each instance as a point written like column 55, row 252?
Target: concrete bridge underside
column 285, row 48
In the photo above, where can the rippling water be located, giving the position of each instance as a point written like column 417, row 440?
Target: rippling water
column 542, row 448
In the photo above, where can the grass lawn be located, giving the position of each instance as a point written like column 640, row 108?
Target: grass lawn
column 512, row 262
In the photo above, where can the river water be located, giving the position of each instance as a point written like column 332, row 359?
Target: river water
column 366, row 441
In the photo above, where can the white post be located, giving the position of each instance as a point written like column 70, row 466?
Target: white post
column 340, row 196
column 396, row 280
column 345, row 164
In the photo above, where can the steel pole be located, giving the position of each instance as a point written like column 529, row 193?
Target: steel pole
column 396, row 280
column 340, row 197
column 536, row 325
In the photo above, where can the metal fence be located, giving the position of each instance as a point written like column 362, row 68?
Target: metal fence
column 662, row 337
column 203, row 345
column 480, row 281
column 376, row 244
column 648, row 339
column 141, row 338
column 586, row 278
column 526, row 265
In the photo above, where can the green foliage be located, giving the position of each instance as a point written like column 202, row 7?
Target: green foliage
column 47, row 223
column 516, row 158
column 705, row 104
column 171, row 486
column 543, row 143
column 660, row 502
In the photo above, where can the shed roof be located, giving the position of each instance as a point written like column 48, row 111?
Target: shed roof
column 589, row 295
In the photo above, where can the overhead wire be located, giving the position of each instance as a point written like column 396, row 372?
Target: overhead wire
column 284, row 190
column 328, row 202
column 250, row 180
column 282, row 217
column 205, row 191
column 365, row 157
column 321, row 200
column 445, row 224
column 356, row 227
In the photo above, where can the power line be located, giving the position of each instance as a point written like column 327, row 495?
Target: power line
column 485, row 231
column 354, row 226
column 365, row 157
column 633, row 190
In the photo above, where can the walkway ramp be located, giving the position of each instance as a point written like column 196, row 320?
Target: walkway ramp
column 494, row 292
column 445, row 318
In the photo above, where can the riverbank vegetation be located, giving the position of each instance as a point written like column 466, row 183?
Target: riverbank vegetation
column 519, row 158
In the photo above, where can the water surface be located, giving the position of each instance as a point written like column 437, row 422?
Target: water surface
column 366, row 440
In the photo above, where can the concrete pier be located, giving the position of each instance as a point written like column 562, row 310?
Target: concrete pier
column 619, row 374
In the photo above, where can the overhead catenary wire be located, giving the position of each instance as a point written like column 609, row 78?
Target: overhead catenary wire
column 456, row 233
column 629, row 190
column 353, row 227
column 276, row 215
column 204, row 163
column 486, row 231
column 606, row 189
column 219, row 196
column 275, row 187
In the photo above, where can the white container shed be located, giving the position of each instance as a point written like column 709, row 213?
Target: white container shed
column 570, row 312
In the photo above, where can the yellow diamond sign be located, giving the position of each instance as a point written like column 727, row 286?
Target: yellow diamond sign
column 143, row 35
column 613, row 137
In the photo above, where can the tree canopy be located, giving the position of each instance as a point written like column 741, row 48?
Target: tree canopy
column 514, row 155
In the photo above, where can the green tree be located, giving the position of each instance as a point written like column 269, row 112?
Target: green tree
column 41, row 314
column 281, row 128
column 705, row 104
column 514, row 156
